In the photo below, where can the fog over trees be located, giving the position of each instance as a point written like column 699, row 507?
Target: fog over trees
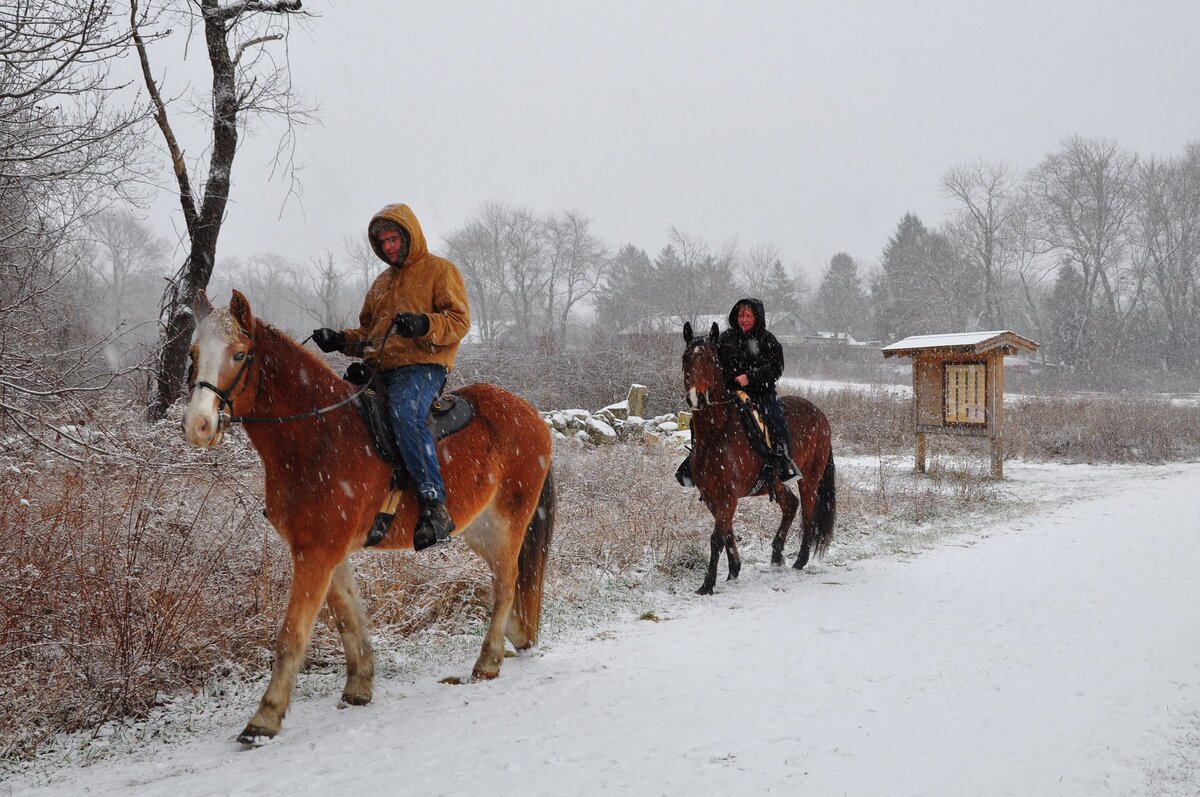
column 1094, row 251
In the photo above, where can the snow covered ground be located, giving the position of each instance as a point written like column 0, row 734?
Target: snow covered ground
column 1054, row 653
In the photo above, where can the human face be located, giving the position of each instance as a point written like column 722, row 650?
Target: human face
column 392, row 244
column 745, row 318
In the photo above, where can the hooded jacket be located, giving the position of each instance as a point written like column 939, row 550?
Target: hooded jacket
column 423, row 283
column 756, row 353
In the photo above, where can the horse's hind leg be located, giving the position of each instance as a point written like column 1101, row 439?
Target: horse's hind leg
column 808, row 499
column 788, row 503
column 722, row 539
column 310, row 581
column 489, row 537
column 351, row 622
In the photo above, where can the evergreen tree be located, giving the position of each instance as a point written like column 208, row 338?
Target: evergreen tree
column 841, row 302
column 1067, row 315
column 625, row 292
column 780, row 290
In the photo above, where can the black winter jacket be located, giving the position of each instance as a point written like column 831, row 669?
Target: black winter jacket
column 757, row 354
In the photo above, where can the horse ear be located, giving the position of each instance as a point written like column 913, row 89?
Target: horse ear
column 714, row 333
column 239, row 308
column 687, row 331
column 201, row 307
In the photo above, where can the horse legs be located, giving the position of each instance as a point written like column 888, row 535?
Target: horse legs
column 722, row 538
column 310, row 582
column 788, row 502
column 351, row 622
column 489, row 537
column 808, row 500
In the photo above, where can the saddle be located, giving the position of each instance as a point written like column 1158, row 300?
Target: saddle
column 450, row 413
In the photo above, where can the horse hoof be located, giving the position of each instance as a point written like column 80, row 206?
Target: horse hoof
column 255, row 735
column 704, row 591
column 799, row 565
column 480, row 675
column 356, row 698
column 777, row 560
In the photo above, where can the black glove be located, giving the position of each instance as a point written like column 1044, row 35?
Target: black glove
column 411, row 325
column 328, row 340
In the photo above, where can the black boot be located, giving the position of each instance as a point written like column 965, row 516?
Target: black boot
column 379, row 529
column 784, row 467
column 683, row 474
column 435, row 525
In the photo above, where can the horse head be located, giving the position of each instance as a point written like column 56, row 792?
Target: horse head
column 221, row 371
column 703, row 380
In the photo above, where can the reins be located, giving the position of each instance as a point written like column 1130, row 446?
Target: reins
column 225, row 419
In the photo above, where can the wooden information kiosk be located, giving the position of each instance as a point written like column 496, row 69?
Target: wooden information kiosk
column 958, row 385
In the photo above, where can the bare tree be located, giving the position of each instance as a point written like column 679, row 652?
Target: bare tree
column 64, row 151
column 574, row 261
column 477, row 248
column 1167, row 242
column 244, row 82
column 499, row 253
column 982, row 227
column 1085, row 202
column 326, row 282
column 126, row 250
column 756, row 267
column 361, row 261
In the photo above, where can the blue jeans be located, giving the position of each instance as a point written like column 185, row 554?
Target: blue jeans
column 775, row 420
column 411, row 391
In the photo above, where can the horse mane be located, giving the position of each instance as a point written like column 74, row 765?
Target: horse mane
column 280, row 355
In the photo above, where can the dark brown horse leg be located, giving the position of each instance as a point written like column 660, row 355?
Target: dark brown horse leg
column 808, row 525
column 351, row 622
column 788, row 502
column 722, row 539
column 311, row 573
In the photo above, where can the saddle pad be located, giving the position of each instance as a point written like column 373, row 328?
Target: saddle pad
column 450, row 413
column 752, row 421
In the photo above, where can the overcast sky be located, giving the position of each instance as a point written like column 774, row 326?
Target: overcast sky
column 813, row 126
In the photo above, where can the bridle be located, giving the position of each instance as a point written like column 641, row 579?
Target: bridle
column 225, row 397
column 226, row 419
column 703, row 400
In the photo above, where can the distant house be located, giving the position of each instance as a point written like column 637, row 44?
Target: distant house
column 788, row 327
column 834, row 339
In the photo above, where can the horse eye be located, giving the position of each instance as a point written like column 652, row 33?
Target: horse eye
column 241, row 355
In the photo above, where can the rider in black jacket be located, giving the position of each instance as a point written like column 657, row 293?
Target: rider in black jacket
column 752, row 360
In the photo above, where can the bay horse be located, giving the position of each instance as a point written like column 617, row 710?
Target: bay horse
column 324, row 484
column 725, row 467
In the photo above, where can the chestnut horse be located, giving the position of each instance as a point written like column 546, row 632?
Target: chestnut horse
column 725, row 467
column 324, row 485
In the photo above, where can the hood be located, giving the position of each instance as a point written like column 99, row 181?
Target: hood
column 402, row 215
column 760, row 317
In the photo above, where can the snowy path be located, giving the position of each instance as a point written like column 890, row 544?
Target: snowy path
column 1055, row 655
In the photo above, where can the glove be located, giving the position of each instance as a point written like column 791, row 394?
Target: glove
column 411, row 325
column 328, row 340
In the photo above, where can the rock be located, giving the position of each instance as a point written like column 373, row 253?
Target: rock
column 635, row 402
column 614, row 411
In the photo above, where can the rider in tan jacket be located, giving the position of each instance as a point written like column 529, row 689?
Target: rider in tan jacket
column 422, row 299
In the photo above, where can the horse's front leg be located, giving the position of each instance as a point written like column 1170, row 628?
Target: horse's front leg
column 722, row 539
column 351, row 622
column 788, row 502
column 311, row 573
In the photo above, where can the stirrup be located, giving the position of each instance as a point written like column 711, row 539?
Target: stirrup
column 379, row 529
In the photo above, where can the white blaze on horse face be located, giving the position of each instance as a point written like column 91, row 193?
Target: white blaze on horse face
column 201, row 422
column 692, row 398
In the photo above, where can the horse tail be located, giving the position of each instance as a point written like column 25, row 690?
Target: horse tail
column 826, row 509
column 531, row 566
